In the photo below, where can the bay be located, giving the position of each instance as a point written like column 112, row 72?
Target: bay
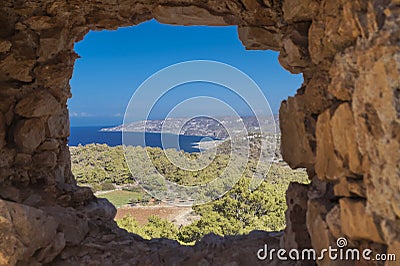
column 89, row 135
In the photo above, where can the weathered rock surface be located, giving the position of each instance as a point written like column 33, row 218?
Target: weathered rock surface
column 356, row 223
column 2, row 131
column 13, row 69
column 299, row 10
column 293, row 124
column 28, row 235
column 343, row 135
column 190, row 15
column 328, row 165
column 58, row 125
column 29, row 134
column 296, row 233
column 259, row 38
column 343, row 125
column 37, row 104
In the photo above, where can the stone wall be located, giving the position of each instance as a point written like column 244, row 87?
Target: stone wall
column 343, row 125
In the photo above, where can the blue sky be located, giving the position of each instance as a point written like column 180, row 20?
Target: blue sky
column 113, row 65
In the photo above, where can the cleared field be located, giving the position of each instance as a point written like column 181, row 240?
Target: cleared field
column 177, row 215
column 120, row 197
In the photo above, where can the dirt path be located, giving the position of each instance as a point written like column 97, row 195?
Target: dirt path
column 185, row 217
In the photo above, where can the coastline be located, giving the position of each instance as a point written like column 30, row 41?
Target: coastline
column 206, row 145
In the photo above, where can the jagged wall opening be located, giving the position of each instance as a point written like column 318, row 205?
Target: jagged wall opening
column 99, row 55
column 342, row 125
column 107, row 56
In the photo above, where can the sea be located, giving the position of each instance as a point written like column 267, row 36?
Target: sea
column 88, row 135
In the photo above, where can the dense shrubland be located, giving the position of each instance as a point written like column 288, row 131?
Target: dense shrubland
column 237, row 212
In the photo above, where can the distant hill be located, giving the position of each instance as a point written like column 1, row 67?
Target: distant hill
column 201, row 126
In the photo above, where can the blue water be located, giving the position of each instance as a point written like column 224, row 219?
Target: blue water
column 88, row 135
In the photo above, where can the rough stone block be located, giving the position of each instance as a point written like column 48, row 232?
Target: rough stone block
column 328, row 165
column 333, row 222
column 58, row 125
column 296, row 233
column 27, row 231
column 46, row 159
column 299, row 10
column 344, row 137
column 38, row 104
column 258, row 38
column 356, row 222
column 187, row 15
column 29, row 134
column 12, row 68
column 295, row 145
column 49, row 145
column 2, row 131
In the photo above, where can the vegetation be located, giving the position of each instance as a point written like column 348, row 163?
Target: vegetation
column 239, row 211
column 155, row 228
column 123, row 197
column 98, row 163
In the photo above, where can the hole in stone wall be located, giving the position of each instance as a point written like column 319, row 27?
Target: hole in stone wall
column 112, row 66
